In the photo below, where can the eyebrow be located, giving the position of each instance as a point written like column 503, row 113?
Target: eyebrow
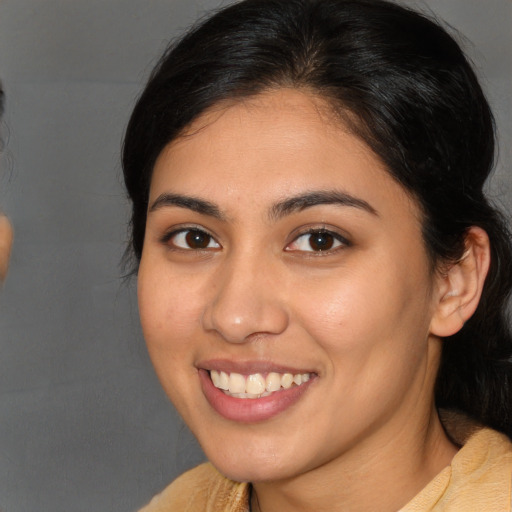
column 191, row 203
column 316, row 198
column 277, row 211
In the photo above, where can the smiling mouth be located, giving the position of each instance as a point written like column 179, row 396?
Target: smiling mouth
column 256, row 385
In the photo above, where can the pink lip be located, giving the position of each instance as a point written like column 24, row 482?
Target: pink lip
column 248, row 367
column 250, row 410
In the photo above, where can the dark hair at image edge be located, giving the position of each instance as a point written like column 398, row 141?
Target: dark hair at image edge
column 1, row 100
column 405, row 87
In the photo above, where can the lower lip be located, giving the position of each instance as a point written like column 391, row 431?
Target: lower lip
column 250, row 410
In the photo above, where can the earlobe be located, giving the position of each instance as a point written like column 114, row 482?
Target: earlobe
column 459, row 288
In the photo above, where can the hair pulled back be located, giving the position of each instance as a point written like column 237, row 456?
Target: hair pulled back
column 406, row 88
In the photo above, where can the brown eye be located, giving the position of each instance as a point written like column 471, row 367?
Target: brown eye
column 317, row 241
column 193, row 239
column 321, row 241
column 197, row 239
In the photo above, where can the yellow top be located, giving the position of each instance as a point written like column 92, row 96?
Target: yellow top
column 479, row 479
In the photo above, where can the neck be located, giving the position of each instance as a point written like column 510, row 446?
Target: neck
column 389, row 471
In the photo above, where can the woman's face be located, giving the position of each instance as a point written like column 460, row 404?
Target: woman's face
column 284, row 265
column 5, row 245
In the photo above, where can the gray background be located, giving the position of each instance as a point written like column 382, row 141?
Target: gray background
column 83, row 422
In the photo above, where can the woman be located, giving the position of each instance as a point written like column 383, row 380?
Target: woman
column 322, row 283
column 6, row 234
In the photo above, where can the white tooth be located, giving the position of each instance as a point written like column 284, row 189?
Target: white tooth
column 255, row 384
column 236, row 383
column 305, row 377
column 297, row 379
column 214, row 374
column 223, row 381
column 273, row 381
column 287, row 380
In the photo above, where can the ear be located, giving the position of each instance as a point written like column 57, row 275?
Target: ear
column 459, row 287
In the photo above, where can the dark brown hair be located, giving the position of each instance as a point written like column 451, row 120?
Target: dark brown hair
column 416, row 102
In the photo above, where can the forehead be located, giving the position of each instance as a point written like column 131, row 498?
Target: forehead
column 276, row 143
column 269, row 106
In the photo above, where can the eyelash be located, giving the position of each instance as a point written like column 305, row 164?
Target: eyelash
column 342, row 242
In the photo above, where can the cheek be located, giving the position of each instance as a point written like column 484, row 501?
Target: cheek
column 170, row 310
column 372, row 331
column 170, row 316
column 367, row 313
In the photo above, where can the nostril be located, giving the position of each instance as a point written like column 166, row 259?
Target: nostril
column 242, row 321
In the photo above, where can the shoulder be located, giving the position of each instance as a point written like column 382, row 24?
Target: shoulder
column 479, row 478
column 201, row 489
column 482, row 470
column 484, row 460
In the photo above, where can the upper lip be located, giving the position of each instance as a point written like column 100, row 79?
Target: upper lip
column 249, row 367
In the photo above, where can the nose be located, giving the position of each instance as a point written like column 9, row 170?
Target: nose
column 248, row 299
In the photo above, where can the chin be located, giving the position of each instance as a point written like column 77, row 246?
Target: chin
column 259, row 463
column 248, row 471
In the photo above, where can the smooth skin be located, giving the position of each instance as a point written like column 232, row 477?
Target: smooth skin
column 365, row 314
